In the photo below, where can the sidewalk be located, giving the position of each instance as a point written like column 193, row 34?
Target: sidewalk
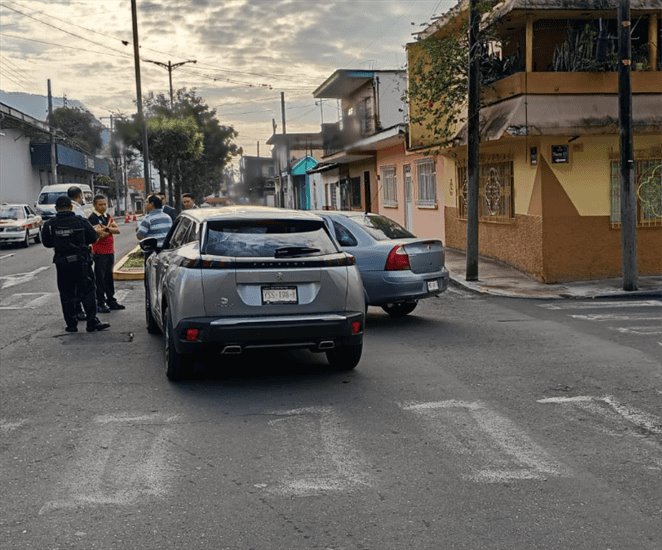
column 499, row 279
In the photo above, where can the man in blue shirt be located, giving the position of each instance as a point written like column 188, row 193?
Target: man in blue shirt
column 156, row 223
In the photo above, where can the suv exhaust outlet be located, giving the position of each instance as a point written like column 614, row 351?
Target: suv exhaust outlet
column 326, row 344
column 231, row 350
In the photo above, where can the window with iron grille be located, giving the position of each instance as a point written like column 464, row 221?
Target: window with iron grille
column 427, row 183
column 648, row 188
column 389, row 186
column 495, row 191
column 331, row 196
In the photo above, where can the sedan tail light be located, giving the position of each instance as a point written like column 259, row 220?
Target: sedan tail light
column 397, row 260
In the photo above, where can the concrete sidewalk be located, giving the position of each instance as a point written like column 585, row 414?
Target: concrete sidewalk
column 499, row 279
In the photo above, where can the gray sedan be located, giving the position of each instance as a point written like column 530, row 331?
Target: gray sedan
column 397, row 268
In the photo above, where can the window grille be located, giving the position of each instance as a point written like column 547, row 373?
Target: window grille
column 495, row 191
column 389, row 186
column 427, row 183
column 648, row 187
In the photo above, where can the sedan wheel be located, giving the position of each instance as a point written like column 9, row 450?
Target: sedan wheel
column 37, row 237
column 26, row 241
column 399, row 310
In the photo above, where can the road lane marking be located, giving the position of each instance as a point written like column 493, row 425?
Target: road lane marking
column 7, row 281
column 320, row 457
column 493, row 449
column 642, row 420
column 616, row 317
column 645, row 331
column 6, row 256
column 123, row 460
column 26, row 300
column 601, row 305
column 7, row 426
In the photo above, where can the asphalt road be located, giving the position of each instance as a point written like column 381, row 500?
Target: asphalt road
column 474, row 423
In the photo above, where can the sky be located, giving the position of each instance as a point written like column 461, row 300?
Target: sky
column 246, row 52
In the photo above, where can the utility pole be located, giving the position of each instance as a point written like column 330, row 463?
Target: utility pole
column 287, row 152
column 139, row 98
column 170, row 67
column 258, row 148
column 628, row 197
column 50, row 120
column 473, row 143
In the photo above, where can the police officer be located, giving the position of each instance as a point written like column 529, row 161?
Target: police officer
column 70, row 236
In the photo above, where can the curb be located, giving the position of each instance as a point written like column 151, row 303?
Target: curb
column 130, row 273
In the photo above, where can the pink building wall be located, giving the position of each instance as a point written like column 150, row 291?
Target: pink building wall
column 427, row 221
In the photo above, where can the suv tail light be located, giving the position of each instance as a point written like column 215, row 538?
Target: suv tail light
column 397, row 260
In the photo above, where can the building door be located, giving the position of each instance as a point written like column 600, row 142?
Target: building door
column 368, row 194
column 409, row 211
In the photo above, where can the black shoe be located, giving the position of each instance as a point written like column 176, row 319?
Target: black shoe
column 97, row 325
column 81, row 316
column 115, row 306
column 71, row 328
column 103, row 309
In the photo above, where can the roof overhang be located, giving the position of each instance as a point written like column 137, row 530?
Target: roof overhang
column 382, row 140
column 343, row 83
column 563, row 115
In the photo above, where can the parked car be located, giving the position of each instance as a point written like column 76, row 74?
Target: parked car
column 49, row 194
column 398, row 269
column 243, row 277
column 18, row 224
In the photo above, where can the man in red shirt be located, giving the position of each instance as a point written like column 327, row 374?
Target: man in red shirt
column 104, row 255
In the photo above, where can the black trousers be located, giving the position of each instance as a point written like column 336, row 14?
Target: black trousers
column 75, row 281
column 103, row 272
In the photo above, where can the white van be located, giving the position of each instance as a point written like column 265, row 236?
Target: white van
column 45, row 204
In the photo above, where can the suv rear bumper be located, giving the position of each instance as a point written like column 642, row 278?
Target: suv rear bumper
column 317, row 332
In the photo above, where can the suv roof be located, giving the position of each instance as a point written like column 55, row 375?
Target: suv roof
column 248, row 212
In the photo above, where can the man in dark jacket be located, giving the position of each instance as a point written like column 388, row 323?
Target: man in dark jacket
column 70, row 236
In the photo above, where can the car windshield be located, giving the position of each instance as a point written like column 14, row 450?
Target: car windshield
column 11, row 213
column 50, row 198
column 382, row 228
column 268, row 238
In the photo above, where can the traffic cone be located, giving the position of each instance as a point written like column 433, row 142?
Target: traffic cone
column 135, row 219
column 127, row 217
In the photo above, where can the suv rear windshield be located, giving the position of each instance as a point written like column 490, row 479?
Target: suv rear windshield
column 50, row 198
column 382, row 228
column 268, row 238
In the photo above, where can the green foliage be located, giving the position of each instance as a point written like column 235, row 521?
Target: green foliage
column 201, row 167
column 578, row 51
column 106, row 186
column 79, row 126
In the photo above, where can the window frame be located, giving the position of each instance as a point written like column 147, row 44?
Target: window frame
column 389, row 185
column 426, row 183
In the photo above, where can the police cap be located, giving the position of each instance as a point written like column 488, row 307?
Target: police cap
column 63, row 203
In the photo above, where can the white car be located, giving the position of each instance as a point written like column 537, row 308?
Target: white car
column 18, row 224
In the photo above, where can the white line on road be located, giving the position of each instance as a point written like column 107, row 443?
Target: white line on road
column 639, row 418
column 119, row 463
column 602, row 305
column 8, row 281
column 616, row 317
column 492, row 447
column 7, row 426
column 645, row 331
column 6, row 256
column 328, row 463
column 26, row 300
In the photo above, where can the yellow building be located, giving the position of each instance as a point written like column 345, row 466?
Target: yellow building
column 549, row 199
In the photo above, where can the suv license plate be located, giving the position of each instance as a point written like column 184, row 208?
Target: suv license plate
column 279, row 295
column 433, row 285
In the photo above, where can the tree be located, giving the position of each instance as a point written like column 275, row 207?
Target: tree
column 80, row 127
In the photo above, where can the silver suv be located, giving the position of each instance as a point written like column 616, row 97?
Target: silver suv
column 240, row 278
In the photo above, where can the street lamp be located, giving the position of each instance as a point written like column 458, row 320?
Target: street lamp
column 170, row 66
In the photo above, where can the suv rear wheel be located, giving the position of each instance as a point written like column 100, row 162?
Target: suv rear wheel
column 177, row 365
column 344, row 357
column 150, row 322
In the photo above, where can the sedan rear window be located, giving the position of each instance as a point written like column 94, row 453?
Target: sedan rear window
column 382, row 228
column 11, row 213
column 268, row 238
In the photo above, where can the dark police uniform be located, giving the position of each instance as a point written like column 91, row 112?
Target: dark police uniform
column 70, row 236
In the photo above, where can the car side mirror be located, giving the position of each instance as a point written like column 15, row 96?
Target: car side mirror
column 149, row 244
